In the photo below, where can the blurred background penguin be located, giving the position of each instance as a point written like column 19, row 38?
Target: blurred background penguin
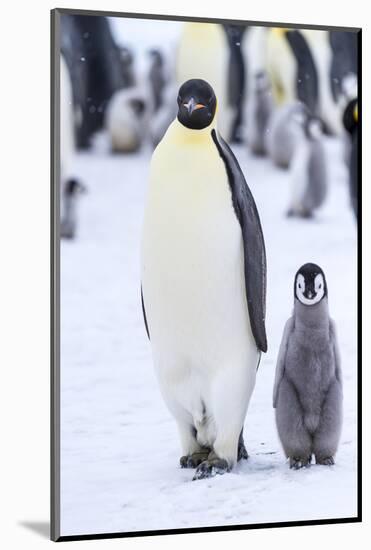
column 119, row 87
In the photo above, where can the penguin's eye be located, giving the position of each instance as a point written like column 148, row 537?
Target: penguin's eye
column 320, row 286
column 300, row 286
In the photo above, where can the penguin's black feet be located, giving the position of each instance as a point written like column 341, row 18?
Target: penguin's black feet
column 298, row 462
column 327, row 461
column 193, row 460
column 242, row 452
column 211, row 467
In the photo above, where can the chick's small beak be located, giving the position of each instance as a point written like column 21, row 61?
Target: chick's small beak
column 192, row 105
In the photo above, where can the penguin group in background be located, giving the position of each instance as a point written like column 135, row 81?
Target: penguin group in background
column 308, row 383
column 203, row 283
column 350, row 121
column 308, row 168
column 291, row 68
column 283, row 131
column 126, row 120
column 259, row 113
column 204, row 53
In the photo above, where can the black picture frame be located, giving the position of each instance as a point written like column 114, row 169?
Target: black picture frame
column 55, row 283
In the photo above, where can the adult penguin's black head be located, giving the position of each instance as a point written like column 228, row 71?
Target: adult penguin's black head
column 310, row 284
column 197, row 104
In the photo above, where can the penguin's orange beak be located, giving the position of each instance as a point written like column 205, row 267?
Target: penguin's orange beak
column 192, row 105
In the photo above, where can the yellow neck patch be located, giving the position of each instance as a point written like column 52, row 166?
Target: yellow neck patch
column 279, row 31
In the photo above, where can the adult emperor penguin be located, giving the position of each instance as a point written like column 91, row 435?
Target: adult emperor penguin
column 307, row 392
column 203, row 283
column 308, row 169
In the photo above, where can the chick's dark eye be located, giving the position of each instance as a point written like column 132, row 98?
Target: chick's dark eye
column 299, row 285
column 320, row 286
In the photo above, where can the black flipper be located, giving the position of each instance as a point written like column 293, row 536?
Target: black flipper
column 144, row 314
column 253, row 241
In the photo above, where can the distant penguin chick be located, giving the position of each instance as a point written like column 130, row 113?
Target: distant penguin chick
column 307, row 391
column 260, row 109
column 70, row 194
column 308, row 170
column 282, row 135
column 126, row 119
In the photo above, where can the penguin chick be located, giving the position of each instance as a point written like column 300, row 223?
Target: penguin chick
column 126, row 119
column 203, row 283
column 281, row 138
column 72, row 189
column 308, row 169
column 307, row 392
column 260, row 109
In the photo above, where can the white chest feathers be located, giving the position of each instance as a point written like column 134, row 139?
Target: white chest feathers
column 192, row 253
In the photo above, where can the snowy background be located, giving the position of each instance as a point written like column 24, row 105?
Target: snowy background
column 119, row 445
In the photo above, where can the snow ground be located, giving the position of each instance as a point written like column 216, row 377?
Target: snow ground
column 119, row 445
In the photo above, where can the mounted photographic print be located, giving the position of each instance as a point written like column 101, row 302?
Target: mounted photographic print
column 205, row 296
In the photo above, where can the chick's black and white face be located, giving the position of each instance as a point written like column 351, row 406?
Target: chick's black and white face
column 310, row 285
column 197, row 104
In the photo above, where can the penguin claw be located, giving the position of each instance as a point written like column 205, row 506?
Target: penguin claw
column 193, row 460
column 210, row 468
column 328, row 461
column 298, row 463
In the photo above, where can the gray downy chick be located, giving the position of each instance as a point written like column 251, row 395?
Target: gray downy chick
column 282, row 135
column 308, row 170
column 307, row 392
